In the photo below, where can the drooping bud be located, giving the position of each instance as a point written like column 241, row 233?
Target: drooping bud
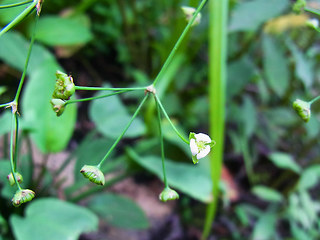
column 22, row 196
column 188, row 12
column 168, row 194
column 302, row 108
column 94, row 174
column 64, row 87
column 58, row 106
column 11, row 179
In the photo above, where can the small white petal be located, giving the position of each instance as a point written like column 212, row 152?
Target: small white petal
column 204, row 152
column 193, row 147
column 202, row 137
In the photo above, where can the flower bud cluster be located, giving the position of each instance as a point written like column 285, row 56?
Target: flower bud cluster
column 63, row 90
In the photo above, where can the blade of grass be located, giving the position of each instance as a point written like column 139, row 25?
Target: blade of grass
column 218, row 11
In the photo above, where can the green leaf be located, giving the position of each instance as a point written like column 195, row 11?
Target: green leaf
column 59, row 31
column 7, row 191
column 111, row 117
column 275, row 65
column 310, row 177
column 190, row 179
column 5, row 122
column 266, row 227
column 50, row 133
column 249, row 116
column 118, row 211
column 249, row 15
column 8, row 14
column 54, row 219
column 285, row 161
column 267, row 194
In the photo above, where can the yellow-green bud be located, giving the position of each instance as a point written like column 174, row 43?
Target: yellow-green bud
column 64, row 87
column 11, row 179
column 93, row 173
column 168, row 194
column 58, row 106
column 22, row 196
column 303, row 109
column 188, row 12
column 298, row 6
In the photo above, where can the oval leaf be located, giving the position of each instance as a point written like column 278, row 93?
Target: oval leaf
column 267, row 194
column 285, row 161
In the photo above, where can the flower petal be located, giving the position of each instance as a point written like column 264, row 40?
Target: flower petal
column 204, row 152
column 193, row 147
column 202, row 137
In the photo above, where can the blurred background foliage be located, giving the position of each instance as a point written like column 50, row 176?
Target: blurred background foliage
column 271, row 161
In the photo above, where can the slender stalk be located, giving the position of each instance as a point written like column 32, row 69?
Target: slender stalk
column 4, row 105
column 18, row 19
column 178, row 43
column 15, row 157
column 15, row 4
column 166, row 115
column 123, row 132
column 12, row 148
column 312, row 10
column 162, row 147
column 314, row 100
column 108, row 89
column 218, row 11
column 93, row 98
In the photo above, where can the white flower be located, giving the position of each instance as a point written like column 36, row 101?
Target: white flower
column 313, row 22
column 188, row 12
column 200, row 145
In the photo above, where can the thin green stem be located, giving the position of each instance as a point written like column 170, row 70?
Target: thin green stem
column 16, row 99
column 123, row 132
column 4, row 105
column 15, row 4
column 93, row 98
column 312, row 10
column 314, row 100
column 178, row 43
column 18, row 19
column 162, row 147
column 12, row 148
column 108, row 89
column 218, row 13
column 166, row 115
column 15, row 157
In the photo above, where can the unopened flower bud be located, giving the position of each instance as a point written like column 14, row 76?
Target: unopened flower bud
column 64, row 87
column 94, row 174
column 303, row 109
column 188, row 12
column 58, row 106
column 11, row 179
column 22, row 196
column 168, row 194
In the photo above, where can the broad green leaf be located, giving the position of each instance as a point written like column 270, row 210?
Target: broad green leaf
column 59, row 31
column 249, row 15
column 193, row 180
column 267, row 194
column 266, row 227
column 51, row 133
column 275, row 65
column 50, row 218
column 249, row 116
column 285, row 161
column 8, row 14
column 111, row 117
column 14, row 48
column 310, row 177
column 118, row 211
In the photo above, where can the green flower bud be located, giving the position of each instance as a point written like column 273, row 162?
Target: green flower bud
column 298, row 6
column 58, row 106
column 168, row 194
column 93, row 173
column 303, row 109
column 64, row 87
column 22, row 196
column 188, row 12
column 11, row 179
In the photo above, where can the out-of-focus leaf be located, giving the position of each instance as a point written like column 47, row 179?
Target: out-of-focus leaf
column 118, row 211
column 59, row 31
column 310, row 177
column 50, row 133
column 239, row 74
column 281, row 116
column 265, row 227
column 267, row 194
column 249, row 15
column 2, row 90
column 5, row 122
column 193, row 180
column 312, row 127
column 285, row 161
column 111, row 117
column 298, row 232
column 50, row 218
column 275, row 65
column 249, row 116
column 8, row 14
column 7, row 191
